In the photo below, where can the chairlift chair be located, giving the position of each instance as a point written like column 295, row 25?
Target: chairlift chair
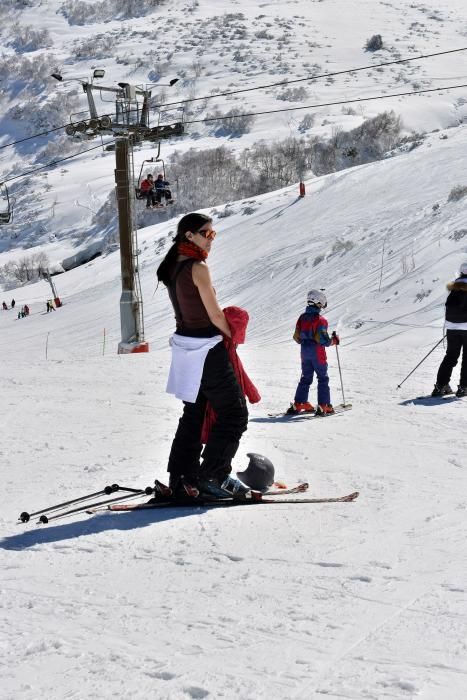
column 142, row 175
column 6, row 205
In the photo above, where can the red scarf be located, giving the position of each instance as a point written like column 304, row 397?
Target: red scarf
column 191, row 250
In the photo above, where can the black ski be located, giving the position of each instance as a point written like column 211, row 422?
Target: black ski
column 204, row 502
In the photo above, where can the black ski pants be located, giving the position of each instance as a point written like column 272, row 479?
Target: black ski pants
column 163, row 193
column 456, row 343
column 220, row 387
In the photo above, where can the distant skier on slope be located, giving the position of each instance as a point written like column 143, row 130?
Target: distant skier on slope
column 201, row 370
column 311, row 332
column 456, row 334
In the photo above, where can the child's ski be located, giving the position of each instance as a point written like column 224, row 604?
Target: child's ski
column 338, row 410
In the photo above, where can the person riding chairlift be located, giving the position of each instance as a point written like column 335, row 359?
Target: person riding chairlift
column 161, row 187
column 147, row 190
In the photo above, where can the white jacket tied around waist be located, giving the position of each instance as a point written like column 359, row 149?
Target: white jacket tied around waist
column 186, row 367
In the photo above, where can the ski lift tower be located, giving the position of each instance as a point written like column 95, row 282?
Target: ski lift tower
column 129, row 123
column 57, row 301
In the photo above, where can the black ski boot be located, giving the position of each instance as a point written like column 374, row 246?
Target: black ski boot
column 441, row 390
column 461, row 391
column 229, row 488
column 178, row 489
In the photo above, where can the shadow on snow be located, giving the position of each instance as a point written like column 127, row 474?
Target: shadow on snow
column 93, row 525
column 429, row 401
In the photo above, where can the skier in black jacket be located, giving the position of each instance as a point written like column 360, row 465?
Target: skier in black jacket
column 456, row 334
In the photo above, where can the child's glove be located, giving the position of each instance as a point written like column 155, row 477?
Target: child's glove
column 335, row 340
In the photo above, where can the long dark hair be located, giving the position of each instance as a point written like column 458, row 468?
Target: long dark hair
column 189, row 222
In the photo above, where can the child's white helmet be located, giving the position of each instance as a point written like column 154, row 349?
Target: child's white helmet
column 463, row 269
column 317, row 298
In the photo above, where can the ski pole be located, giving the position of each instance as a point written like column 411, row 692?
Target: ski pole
column 44, row 519
column 107, row 490
column 429, row 353
column 334, row 335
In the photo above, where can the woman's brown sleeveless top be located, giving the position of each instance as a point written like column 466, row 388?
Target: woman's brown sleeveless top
column 190, row 314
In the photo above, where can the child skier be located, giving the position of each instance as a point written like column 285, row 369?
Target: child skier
column 456, row 334
column 311, row 332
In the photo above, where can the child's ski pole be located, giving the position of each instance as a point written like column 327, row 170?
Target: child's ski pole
column 334, row 335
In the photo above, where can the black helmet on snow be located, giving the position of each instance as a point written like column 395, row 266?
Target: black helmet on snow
column 259, row 475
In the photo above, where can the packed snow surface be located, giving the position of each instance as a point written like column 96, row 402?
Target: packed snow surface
column 357, row 600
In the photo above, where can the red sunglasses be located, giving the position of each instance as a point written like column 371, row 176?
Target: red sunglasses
column 210, row 235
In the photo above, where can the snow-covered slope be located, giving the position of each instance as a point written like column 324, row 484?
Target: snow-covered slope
column 381, row 238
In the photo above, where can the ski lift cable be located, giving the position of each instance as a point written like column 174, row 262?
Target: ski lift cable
column 317, row 77
column 52, row 163
column 34, row 136
column 262, row 87
column 327, row 104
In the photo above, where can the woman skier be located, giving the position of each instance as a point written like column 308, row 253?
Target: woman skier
column 201, row 371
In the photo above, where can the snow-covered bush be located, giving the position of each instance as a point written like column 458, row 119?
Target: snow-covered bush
column 364, row 144
column 293, row 94
column 264, row 34
column 459, row 234
column 59, row 147
column 341, row 246
column 307, row 122
column 19, row 73
column 45, row 114
column 26, row 38
column 29, row 268
column 374, row 43
column 457, row 193
column 232, row 123
column 421, row 295
column 7, row 7
column 98, row 46
column 279, row 164
column 225, row 213
column 84, row 12
column 240, row 56
column 319, row 259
